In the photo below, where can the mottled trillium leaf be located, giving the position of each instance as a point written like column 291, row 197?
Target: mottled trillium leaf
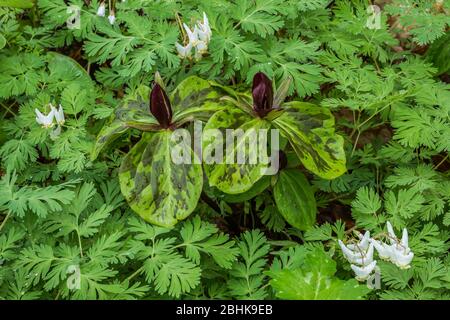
column 195, row 98
column 160, row 190
column 295, row 199
column 227, row 174
column 131, row 114
column 310, row 131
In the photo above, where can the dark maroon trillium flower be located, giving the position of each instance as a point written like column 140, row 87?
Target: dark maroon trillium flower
column 262, row 92
column 160, row 106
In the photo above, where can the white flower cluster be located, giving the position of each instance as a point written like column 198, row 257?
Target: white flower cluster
column 102, row 10
column 198, row 39
column 47, row 121
column 360, row 255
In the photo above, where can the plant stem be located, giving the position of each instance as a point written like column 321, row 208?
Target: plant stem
column 441, row 162
column 4, row 220
column 134, row 274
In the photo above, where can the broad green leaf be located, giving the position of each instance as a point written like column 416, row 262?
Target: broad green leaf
column 195, row 98
column 295, row 199
column 310, row 131
column 228, row 175
column 259, row 186
column 315, row 280
column 158, row 189
column 69, row 66
column 132, row 114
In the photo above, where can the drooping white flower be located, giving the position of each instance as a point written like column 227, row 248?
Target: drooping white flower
column 363, row 243
column 362, row 273
column 55, row 133
column 384, row 250
column 201, row 47
column 402, row 258
column 204, row 32
column 111, row 17
column 359, row 256
column 398, row 251
column 101, row 10
column 192, row 35
column 59, row 114
column 45, row 121
column 184, row 52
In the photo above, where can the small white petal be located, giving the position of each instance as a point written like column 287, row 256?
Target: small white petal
column 112, row 18
column 362, row 273
column 191, row 35
column 404, row 241
column 183, row 52
column 402, row 259
column 351, row 256
column 101, row 10
column 55, row 133
column 201, row 47
column 392, row 236
column 45, row 121
column 364, row 243
column 384, row 250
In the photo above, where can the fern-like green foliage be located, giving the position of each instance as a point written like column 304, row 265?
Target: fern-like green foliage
column 66, row 232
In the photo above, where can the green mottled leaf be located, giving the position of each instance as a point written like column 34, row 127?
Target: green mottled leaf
column 295, row 199
column 158, row 189
column 310, row 131
column 195, row 97
column 259, row 186
column 228, row 175
column 132, row 114
column 315, row 280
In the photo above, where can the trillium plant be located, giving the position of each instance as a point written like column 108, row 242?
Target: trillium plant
column 158, row 189
column 308, row 128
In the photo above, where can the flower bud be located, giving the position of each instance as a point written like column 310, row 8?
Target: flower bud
column 160, row 106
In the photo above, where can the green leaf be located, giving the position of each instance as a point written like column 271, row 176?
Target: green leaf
column 259, row 186
column 295, row 199
column 199, row 236
column 195, row 98
column 438, row 53
column 2, row 41
column 22, row 4
column 228, row 175
column 247, row 274
column 315, row 281
column 310, row 131
column 159, row 190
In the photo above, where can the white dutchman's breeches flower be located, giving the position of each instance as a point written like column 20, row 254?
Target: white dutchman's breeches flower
column 362, row 273
column 45, row 121
column 59, row 114
column 360, row 254
column 199, row 38
column 101, row 10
